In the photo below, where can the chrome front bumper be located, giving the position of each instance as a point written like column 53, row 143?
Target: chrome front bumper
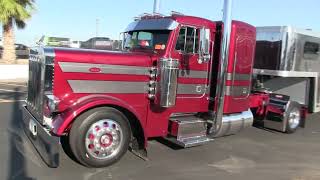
column 46, row 144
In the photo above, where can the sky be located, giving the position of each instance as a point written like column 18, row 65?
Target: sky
column 77, row 19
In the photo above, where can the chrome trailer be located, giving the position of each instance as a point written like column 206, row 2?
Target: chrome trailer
column 287, row 61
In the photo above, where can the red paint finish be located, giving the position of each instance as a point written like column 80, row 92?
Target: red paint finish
column 259, row 102
column 73, row 104
column 157, row 120
column 153, row 119
column 241, row 54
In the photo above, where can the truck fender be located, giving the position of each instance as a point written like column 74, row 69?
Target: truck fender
column 63, row 121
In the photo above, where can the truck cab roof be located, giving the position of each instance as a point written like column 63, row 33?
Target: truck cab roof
column 156, row 22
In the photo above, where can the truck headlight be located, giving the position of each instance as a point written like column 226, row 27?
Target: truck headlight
column 52, row 103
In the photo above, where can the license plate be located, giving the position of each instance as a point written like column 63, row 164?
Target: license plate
column 33, row 127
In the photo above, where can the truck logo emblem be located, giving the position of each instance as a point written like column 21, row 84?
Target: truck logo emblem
column 198, row 89
column 95, row 70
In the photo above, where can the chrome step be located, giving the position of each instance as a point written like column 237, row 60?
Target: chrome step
column 187, row 131
column 189, row 142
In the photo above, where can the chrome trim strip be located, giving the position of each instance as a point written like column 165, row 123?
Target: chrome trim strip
column 91, row 86
column 193, row 74
column 105, row 68
column 238, row 77
column 121, row 69
column 193, row 89
column 285, row 73
column 237, row 90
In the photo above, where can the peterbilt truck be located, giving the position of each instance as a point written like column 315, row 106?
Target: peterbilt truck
column 183, row 78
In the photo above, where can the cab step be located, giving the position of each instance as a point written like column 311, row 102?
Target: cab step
column 189, row 142
column 188, row 131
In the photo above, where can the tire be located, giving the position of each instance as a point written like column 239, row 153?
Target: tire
column 100, row 137
column 293, row 117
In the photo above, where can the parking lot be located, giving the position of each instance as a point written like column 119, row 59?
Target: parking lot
column 252, row 154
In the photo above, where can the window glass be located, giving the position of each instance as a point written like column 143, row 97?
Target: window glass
column 156, row 40
column 188, row 40
column 181, row 40
column 311, row 50
column 145, row 36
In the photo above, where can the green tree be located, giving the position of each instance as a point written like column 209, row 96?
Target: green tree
column 13, row 13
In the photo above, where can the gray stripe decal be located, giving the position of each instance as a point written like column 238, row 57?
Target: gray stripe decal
column 238, row 77
column 125, row 87
column 191, row 89
column 105, row 68
column 85, row 86
column 193, row 74
column 237, row 91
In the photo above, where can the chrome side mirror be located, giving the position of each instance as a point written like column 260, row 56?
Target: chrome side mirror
column 204, row 46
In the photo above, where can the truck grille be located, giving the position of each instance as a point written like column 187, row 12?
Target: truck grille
column 40, row 81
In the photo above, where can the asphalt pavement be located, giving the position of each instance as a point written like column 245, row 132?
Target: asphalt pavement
column 252, row 154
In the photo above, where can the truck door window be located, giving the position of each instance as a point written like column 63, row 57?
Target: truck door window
column 188, row 40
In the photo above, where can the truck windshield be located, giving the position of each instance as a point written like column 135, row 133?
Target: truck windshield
column 154, row 40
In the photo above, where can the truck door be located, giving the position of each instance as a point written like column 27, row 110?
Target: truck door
column 193, row 75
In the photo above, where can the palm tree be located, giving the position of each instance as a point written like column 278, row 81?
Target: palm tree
column 13, row 12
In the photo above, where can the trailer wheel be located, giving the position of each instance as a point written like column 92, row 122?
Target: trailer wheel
column 293, row 116
column 100, row 137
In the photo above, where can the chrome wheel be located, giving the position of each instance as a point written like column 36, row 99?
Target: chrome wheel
column 294, row 118
column 104, row 139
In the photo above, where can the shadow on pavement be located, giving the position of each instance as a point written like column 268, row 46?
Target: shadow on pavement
column 16, row 161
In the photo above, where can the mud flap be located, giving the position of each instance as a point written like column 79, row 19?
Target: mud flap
column 46, row 144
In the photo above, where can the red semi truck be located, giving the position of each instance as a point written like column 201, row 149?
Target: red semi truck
column 183, row 78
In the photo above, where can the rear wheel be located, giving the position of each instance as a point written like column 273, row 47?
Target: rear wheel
column 293, row 116
column 100, row 137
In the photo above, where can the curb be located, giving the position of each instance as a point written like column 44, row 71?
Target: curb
column 17, row 72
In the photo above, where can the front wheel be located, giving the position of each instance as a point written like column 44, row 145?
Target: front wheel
column 100, row 137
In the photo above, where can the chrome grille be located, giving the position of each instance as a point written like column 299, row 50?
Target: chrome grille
column 40, row 60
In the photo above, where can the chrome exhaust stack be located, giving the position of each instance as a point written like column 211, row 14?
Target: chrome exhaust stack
column 156, row 6
column 228, row 124
column 222, row 74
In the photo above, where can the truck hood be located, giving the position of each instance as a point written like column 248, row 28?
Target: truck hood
column 103, row 57
column 79, row 74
